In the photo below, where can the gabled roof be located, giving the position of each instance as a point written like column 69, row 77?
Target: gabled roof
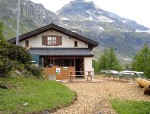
column 52, row 26
column 85, row 52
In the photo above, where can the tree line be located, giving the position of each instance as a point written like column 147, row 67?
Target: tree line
column 109, row 61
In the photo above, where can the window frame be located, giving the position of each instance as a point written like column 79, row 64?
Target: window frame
column 51, row 40
column 75, row 43
column 26, row 43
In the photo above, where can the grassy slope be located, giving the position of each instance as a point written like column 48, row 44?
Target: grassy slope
column 131, row 107
column 39, row 94
column 9, row 27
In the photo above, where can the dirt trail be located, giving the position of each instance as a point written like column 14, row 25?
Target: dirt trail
column 93, row 97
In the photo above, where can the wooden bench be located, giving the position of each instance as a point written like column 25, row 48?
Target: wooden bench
column 89, row 76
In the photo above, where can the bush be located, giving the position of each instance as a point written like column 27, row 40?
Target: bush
column 14, row 52
column 36, row 71
column 6, row 65
column 17, row 57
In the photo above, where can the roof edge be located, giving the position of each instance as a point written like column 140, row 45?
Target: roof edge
column 59, row 29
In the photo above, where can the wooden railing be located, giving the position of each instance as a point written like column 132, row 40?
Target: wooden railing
column 87, row 74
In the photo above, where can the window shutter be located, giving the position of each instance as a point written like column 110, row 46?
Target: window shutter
column 44, row 40
column 59, row 40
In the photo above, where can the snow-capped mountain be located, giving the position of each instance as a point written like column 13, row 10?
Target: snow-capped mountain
column 110, row 30
column 89, row 16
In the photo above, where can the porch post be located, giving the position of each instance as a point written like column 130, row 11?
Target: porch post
column 42, row 62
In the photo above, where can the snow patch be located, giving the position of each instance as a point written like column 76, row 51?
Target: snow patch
column 74, row 31
column 100, row 28
column 105, row 19
column 124, row 21
column 91, row 18
column 64, row 18
column 73, row 27
column 148, row 31
column 88, row 12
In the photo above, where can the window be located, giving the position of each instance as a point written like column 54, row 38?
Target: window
column 64, row 62
column 26, row 43
column 75, row 44
column 48, row 62
column 52, row 40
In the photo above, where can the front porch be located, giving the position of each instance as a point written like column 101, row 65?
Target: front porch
column 61, row 61
column 60, row 67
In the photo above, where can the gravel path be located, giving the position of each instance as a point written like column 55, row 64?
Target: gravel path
column 93, row 97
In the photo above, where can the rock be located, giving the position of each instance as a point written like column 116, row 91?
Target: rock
column 147, row 90
column 3, row 86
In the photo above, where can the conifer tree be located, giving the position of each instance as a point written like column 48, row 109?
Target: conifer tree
column 108, row 60
column 142, row 61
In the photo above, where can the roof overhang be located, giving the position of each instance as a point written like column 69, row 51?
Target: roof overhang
column 52, row 26
column 77, row 52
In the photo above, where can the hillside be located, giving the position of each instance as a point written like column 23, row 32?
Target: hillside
column 19, row 95
column 32, row 16
column 110, row 30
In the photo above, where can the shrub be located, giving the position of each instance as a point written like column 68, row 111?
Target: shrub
column 12, row 56
column 14, row 52
column 6, row 65
column 36, row 71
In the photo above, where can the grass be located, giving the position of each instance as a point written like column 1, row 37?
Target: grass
column 10, row 32
column 130, row 107
column 39, row 95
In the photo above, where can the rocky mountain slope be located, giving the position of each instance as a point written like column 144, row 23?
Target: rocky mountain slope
column 92, row 18
column 32, row 16
column 110, row 30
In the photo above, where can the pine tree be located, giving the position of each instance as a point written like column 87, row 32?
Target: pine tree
column 103, row 60
column 95, row 66
column 142, row 61
column 108, row 60
column 112, row 60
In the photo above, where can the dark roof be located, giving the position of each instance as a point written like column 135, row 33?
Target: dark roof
column 52, row 26
column 62, row 52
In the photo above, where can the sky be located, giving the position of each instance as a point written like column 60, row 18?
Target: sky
column 138, row 10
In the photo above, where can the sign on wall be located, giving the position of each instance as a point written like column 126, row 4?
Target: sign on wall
column 57, row 70
column 65, row 68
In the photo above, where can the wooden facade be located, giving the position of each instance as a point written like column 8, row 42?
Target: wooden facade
column 58, row 71
column 65, row 64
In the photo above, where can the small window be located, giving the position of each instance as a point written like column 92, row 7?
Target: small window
column 75, row 44
column 51, row 40
column 26, row 43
